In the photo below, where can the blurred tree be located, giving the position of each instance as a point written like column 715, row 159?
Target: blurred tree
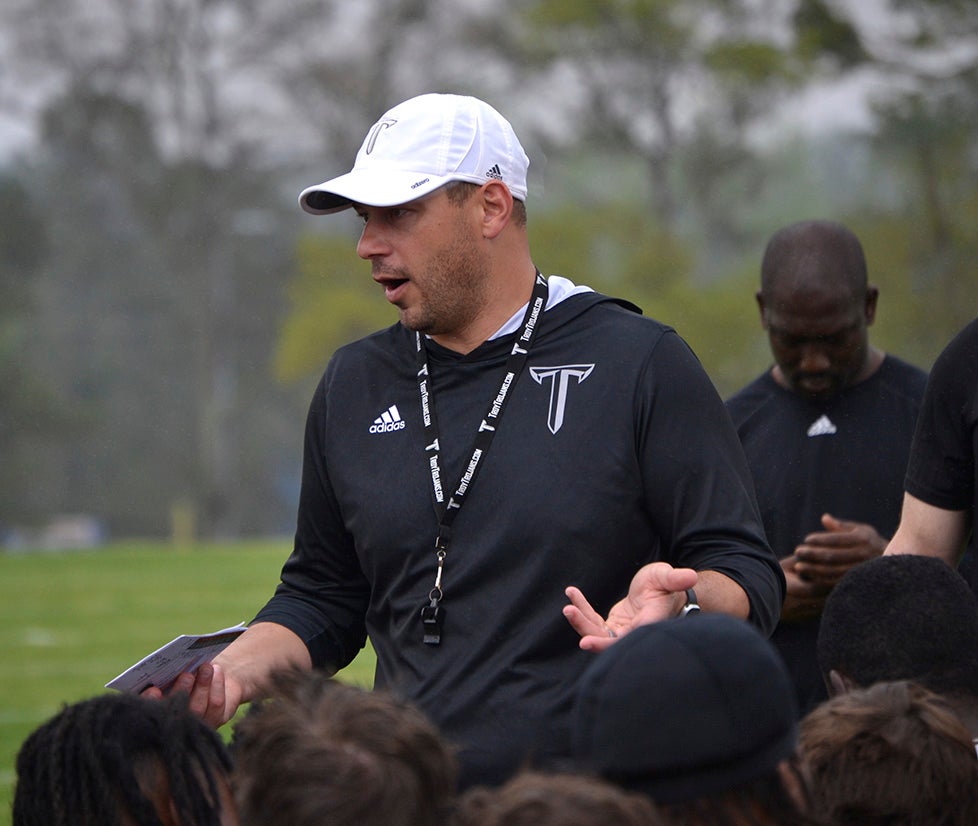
column 29, row 410
column 927, row 137
column 934, row 146
column 659, row 75
column 333, row 301
column 158, row 311
column 158, row 308
column 826, row 38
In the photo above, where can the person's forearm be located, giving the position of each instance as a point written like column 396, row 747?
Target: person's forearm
column 929, row 531
column 718, row 593
column 264, row 648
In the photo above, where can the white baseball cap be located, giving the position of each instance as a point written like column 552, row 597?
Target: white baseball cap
column 420, row 145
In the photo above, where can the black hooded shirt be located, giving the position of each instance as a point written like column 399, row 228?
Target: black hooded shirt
column 615, row 450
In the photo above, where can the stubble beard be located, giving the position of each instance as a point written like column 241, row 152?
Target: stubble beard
column 453, row 291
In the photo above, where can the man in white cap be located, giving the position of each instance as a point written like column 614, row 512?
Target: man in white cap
column 513, row 442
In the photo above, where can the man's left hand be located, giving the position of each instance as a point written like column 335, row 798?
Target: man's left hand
column 657, row 592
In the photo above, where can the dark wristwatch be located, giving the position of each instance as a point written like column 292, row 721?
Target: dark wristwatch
column 691, row 606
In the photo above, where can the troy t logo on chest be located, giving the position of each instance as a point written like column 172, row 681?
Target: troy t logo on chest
column 559, row 378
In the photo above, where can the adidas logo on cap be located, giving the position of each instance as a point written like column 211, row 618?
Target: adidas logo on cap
column 495, row 172
column 388, row 421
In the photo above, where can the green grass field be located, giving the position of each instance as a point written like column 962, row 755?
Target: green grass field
column 71, row 621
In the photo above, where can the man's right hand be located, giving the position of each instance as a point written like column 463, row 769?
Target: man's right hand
column 237, row 675
column 213, row 696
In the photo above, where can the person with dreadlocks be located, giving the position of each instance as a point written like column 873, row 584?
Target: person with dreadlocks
column 123, row 760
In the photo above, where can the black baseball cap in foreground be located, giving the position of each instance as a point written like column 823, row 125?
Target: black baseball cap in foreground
column 686, row 708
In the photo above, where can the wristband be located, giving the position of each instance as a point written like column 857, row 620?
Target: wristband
column 691, row 606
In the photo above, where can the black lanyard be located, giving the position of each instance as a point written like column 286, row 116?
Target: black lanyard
column 432, row 615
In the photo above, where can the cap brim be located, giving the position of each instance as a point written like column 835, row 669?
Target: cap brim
column 685, row 783
column 379, row 188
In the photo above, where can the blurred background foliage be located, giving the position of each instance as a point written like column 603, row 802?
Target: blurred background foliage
column 166, row 309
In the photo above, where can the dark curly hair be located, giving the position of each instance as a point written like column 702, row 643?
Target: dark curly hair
column 104, row 760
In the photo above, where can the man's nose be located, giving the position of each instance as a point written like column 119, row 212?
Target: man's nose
column 814, row 358
column 371, row 241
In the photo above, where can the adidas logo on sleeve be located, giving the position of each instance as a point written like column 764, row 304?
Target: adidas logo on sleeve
column 388, row 421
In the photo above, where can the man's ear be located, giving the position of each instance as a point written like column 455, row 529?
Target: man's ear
column 872, row 296
column 839, row 683
column 760, row 306
column 792, row 775
column 497, row 206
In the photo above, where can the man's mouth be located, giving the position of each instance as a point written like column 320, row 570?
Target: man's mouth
column 816, row 384
column 392, row 288
column 391, row 284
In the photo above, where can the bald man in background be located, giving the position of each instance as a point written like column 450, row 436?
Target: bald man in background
column 827, row 429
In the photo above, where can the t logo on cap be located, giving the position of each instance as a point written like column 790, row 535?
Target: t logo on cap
column 375, row 130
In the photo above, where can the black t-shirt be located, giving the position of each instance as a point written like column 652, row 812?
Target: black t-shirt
column 643, row 464
column 846, row 456
column 942, row 470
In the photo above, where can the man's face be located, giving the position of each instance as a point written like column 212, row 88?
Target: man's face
column 427, row 256
column 819, row 338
